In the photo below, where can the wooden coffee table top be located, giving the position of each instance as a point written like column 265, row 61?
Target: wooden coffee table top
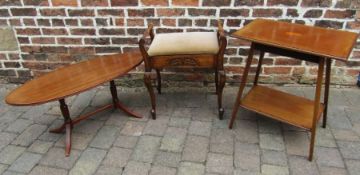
column 312, row 40
column 73, row 79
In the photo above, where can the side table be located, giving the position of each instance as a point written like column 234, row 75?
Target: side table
column 313, row 44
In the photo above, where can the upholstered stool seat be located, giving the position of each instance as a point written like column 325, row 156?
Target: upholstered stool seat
column 184, row 43
column 187, row 51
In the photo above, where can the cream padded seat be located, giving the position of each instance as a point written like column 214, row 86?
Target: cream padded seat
column 184, row 43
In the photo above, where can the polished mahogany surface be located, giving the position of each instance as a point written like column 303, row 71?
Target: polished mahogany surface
column 313, row 40
column 73, row 79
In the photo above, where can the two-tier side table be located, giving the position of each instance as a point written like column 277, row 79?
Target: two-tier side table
column 313, row 44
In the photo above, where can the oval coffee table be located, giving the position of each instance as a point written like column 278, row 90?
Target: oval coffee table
column 74, row 79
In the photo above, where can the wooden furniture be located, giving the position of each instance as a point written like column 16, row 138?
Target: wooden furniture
column 72, row 80
column 184, row 50
column 313, row 44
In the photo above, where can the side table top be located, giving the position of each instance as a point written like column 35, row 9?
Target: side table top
column 318, row 41
column 73, row 79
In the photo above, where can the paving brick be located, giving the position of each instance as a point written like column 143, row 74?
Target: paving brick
column 117, row 157
column 196, row 149
column 29, row 135
column 182, row 112
column 45, row 119
column 353, row 113
column 329, row 157
column 332, row 171
column 118, row 119
column 300, row 166
column 272, row 142
column 35, row 112
column 297, row 143
column 146, row 149
column 12, row 173
column 167, row 159
column 350, row 150
column 273, row 169
column 25, row 162
column 44, row 170
column 3, row 168
column 107, row 170
column 160, row 170
column 189, row 168
column 10, row 153
column 105, row 137
column 353, row 166
column 246, row 131
column 325, row 138
column 179, row 122
column 173, row 139
column 78, row 141
column 247, row 156
column 137, row 168
column 269, row 126
column 55, row 157
column 18, row 126
column 8, row 118
column 81, row 102
column 88, row 162
column 204, row 114
column 6, row 138
column 273, row 157
column 156, row 127
column 337, row 118
column 102, row 97
column 200, row 128
column 219, row 163
column 239, row 171
column 345, row 135
column 126, row 141
column 133, row 128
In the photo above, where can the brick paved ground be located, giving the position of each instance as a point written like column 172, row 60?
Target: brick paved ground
column 186, row 139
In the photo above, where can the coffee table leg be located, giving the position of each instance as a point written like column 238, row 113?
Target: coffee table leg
column 117, row 103
column 68, row 124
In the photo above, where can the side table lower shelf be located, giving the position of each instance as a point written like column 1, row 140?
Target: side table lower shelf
column 288, row 108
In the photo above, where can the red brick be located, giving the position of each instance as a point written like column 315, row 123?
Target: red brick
column 267, row 12
column 2, row 56
column 71, row 22
column 185, row 2
column 64, row 3
column 82, row 50
column 170, row 12
column 352, row 72
column 14, row 56
column 69, row 41
column 201, row 22
column 10, row 3
column 81, row 12
column 184, row 22
column 4, row 12
column 29, row 22
column 124, row 2
column 111, row 31
column 277, row 70
column 287, row 61
column 54, row 49
column 141, row 12
column 87, row 22
column 201, row 12
column 57, row 22
column 329, row 24
column 82, row 31
column 168, row 22
column 23, row 12
column 249, row 2
column 133, row 41
column 12, row 64
column 52, row 31
column 30, row 49
column 43, row 22
column 216, row 3
column 282, row 2
column 15, row 22
column 110, row 12
column 135, row 22
column 119, row 22
column 234, row 12
column 97, row 41
column 23, row 40
column 314, row 13
column 28, row 31
column 107, row 49
column 36, row 2
column 95, row 3
column 43, row 40
column 154, row 21
column 24, row 73
column 7, row 72
column 316, row 3
column 298, row 71
column 339, row 14
column 155, row 2
column 292, row 13
column 354, row 25
column 52, row 12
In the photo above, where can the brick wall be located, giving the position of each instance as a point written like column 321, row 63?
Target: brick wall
column 53, row 33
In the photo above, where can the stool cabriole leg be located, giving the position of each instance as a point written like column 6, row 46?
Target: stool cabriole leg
column 147, row 81
column 327, row 86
